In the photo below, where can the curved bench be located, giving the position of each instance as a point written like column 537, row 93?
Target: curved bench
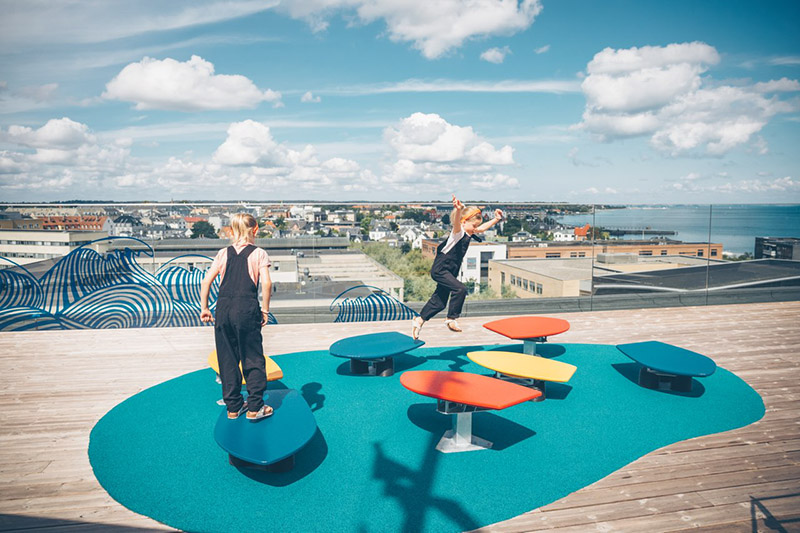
column 527, row 370
column 372, row 354
column 461, row 394
column 271, row 443
column 667, row 367
column 528, row 329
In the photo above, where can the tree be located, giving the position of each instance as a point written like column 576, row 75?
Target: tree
column 507, row 292
column 405, row 247
column 280, row 223
column 446, row 219
column 204, row 229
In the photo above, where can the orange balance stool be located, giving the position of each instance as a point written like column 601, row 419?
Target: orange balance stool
column 461, row 394
column 529, row 329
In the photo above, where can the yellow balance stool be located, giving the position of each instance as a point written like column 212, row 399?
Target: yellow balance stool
column 528, row 370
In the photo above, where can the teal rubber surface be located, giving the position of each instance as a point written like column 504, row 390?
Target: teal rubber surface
column 372, row 465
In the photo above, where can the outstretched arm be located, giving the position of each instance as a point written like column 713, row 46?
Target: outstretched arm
column 455, row 218
column 498, row 216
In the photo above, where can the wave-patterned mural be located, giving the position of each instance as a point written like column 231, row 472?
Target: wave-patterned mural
column 378, row 305
column 87, row 290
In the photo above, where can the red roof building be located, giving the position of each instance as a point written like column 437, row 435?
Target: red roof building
column 86, row 223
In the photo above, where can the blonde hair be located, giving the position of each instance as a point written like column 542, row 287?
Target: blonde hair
column 241, row 224
column 470, row 212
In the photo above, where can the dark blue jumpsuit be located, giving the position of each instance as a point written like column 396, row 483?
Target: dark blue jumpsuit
column 237, row 333
column 445, row 273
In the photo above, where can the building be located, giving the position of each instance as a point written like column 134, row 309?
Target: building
column 31, row 246
column 16, row 220
column 125, row 226
column 777, row 248
column 769, row 274
column 564, row 250
column 475, row 267
column 73, row 223
column 572, row 277
column 567, row 250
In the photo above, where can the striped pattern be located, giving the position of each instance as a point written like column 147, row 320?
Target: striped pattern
column 86, row 290
column 19, row 290
column 379, row 305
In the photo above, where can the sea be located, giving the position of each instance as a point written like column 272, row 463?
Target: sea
column 735, row 226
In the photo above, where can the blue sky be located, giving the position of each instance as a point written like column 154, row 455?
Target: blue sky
column 579, row 101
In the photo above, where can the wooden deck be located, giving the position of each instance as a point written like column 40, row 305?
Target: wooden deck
column 54, row 386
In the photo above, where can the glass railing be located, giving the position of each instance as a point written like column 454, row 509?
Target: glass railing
column 545, row 259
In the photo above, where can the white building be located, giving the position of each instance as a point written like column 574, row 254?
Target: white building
column 475, row 266
column 563, row 236
column 379, row 233
column 30, row 246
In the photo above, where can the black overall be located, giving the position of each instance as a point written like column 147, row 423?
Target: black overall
column 237, row 333
column 445, row 273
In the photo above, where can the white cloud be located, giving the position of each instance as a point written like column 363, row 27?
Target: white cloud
column 428, row 137
column 66, row 153
column 493, row 182
column 308, row 97
column 434, row 28
column 542, row 49
column 184, row 86
column 660, row 92
column 496, row 55
column 781, row 85
column 465, row 86
column 66, row 21
column 62, row 133
column 785, row 60
column 250, row 146
column 26, row 98
column 428, row 150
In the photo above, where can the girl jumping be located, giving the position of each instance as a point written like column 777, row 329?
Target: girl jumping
column 449, row 255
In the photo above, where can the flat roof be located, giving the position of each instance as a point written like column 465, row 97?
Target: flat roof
column 718, row 276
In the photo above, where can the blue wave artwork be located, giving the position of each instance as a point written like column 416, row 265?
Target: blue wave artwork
column 377, row 305
column 87, row 290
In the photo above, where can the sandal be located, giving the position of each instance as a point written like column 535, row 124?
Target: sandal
column 452, row 325
column 416, row 327
column 264, row 412
column 233, row 415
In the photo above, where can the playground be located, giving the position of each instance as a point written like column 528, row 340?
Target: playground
column 740, row 483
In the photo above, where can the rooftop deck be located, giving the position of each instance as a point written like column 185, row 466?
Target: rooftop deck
column 54, row 387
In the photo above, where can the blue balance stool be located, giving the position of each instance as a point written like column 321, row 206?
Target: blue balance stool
column 271, row 443
column 372, row 354
column 667, row 367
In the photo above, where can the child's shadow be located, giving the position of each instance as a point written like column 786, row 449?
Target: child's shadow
column 457, row 356
column 314, row 399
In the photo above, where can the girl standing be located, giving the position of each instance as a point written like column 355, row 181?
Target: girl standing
column 237, row 330
column 447, row 263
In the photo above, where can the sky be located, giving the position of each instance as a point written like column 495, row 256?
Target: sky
column 585, row 101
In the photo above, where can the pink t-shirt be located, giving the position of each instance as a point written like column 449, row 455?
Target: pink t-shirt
column 257, row 259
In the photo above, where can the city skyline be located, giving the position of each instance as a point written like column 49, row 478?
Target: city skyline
column 385, row 100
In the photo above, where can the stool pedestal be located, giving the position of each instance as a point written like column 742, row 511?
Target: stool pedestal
column 460, row 437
